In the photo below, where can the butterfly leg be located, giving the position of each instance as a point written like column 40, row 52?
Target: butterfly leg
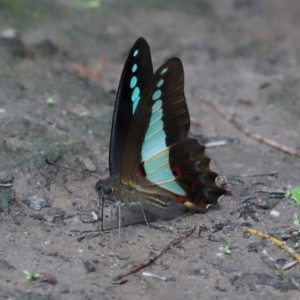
column 142, row 210
column 119, row 205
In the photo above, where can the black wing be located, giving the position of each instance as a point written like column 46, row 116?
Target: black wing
column 137, row 73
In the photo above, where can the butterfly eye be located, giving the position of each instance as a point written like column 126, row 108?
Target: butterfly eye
column 99, row 186
column 106, row 189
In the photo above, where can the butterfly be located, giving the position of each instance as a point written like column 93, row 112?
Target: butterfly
column 151, row 159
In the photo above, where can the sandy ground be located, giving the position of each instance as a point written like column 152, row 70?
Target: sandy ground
column 241, row 55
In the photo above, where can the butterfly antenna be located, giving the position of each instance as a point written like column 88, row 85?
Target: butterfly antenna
column 70, row 169
column 120, row 220
column 102, row 213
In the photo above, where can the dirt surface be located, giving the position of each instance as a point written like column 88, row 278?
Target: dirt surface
column 241, row 55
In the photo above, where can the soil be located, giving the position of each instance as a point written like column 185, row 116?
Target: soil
column 58, row 80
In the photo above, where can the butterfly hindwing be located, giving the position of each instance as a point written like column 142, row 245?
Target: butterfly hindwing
column 183, row 170
column 136, row 75
column 159, row 157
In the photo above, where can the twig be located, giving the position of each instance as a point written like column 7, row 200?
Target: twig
column 273, row 240
column 252, row 135
column 146, row 274
column 55, row 124
column 271, row 173
column 269, row 191
column 155, row 256
column 6, row 184
column 216, row 144
column 270, row 258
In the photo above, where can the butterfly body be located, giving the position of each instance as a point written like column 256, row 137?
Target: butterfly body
column 152, row 160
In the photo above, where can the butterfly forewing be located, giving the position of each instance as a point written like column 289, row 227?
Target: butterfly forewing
column 136, row 75
column 161, row 119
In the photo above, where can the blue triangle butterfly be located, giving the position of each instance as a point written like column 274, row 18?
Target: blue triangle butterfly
column 151, row 159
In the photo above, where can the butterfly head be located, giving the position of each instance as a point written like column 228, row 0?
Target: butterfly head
column 106, row 188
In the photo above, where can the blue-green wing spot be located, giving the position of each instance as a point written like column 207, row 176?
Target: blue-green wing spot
column 133, row 82
column 160, row 83
column 163, row 71
column 135, row 104
column 135, row 96
column 134, row 68
column 156, row 95
column 154, row 134
column 155, row 137
column 156, row 116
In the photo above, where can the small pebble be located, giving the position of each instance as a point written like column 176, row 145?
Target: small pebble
column 164, row 266
column 36, row 203
column 9, row 33
column 88, row 165
column 50, row 278
column 87, row 216
column 275, row 213
column 201, row 271
column 281, row 262
column 6, row 177
column 89, row 267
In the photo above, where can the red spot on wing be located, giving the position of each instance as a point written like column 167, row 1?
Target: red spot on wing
column 180, row 199
column 140, row 171
column 176, row 171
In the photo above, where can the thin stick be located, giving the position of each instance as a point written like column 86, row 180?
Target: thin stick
column 155, row 256
column 273, row 240
column 252, row 135
column 6, row 184
column 269, row 191
column 258, row 175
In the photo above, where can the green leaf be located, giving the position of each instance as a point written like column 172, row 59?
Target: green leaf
column 225, row 249
column 295, row 194
column 50, row 101
column 87, row 4
column 31, row 276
